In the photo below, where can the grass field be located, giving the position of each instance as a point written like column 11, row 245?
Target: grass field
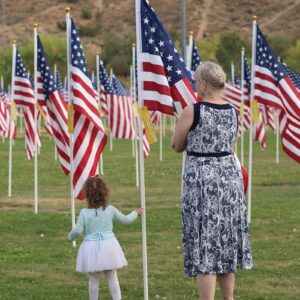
column 35, row 267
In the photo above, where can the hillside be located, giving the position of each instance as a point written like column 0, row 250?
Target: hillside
column 204, row 17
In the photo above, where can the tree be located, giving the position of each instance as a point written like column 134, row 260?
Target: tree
column 229, row 49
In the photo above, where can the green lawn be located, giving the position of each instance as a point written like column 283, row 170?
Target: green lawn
column 35, row 267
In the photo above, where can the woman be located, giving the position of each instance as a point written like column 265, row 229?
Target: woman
column 214, row 217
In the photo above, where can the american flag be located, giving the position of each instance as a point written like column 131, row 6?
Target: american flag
column 295, row 77
column 162, row 73
column 23, row 95
column 89, row 135
column 56, row 107
column 273, row 86
column 146, row 145
column 106, row 91
column 258, row 129
column 6, row 123
column 234, row 96
column 121, row 112
column 237, row 82
column 58, row 83
column 195, row 57
column 41, row 102
column 4, row 126
column 155, row 117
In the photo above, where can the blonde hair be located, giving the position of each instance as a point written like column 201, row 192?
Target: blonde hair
column 211, row 76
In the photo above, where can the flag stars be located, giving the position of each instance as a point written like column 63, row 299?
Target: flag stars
column 178, row 71
column 161, row 43
column 169, row 68
column 150, row 41
column 146, row 21
column 170, row 57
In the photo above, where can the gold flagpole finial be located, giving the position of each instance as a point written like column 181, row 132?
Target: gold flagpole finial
column 67, row 9
column 97, row 53
column 243, row 48
column 133, row 45
column 14, row 41
column 254, row 18
column 35, row 25
column 55, row 65
column 191, row 32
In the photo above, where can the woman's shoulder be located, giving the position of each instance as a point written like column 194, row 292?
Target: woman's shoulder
column 216, row 105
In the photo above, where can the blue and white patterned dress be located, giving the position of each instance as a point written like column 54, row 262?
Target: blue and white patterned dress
column 214, row 216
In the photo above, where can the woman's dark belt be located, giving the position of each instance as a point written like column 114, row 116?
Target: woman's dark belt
column 217, row 154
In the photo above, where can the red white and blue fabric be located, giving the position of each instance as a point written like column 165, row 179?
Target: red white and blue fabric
column 234, row 97
column 4, row 126
column 58, row 83
column 89, row 135
column 155, row 117
column 121, row 112
column 195, row 57
column 162, row 73
column 273, row 86
column 107, row 91
column 49, row 96
column 23, row 95
column 146, row 145
column 41, row 101
column 258, row 129
column 7, row 125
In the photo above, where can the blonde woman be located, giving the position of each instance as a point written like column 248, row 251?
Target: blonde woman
column 214, row 217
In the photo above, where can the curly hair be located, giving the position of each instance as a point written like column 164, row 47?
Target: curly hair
column 96, row 192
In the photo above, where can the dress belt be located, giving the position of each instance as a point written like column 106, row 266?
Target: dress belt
column 217, row 154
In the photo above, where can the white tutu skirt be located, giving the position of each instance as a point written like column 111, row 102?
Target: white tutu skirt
column 95, row 256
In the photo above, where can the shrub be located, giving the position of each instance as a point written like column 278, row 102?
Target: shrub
column 87, row 31
column 61, row 25
column 86, row 14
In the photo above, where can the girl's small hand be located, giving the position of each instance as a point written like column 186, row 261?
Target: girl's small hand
column 139, row 211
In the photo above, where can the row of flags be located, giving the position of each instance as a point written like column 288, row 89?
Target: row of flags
column 81, row 155
column 164, row 81
column 72, row 116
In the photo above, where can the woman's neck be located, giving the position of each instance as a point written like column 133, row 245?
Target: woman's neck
column 214, row 98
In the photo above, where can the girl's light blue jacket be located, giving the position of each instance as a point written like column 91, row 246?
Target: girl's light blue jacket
column 98, row 223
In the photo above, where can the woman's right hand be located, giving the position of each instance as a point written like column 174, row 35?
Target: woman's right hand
column 139, row 211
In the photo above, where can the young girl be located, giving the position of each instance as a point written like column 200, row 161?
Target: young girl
column 100, row 250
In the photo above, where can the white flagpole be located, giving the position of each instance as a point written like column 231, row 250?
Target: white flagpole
column 164, row 124
column 99, row 104
column 190, row 51
column 243, row 105
column 21, row 120
column 55, row 80
column 70, row 104
column 254, row 29
column 111, row 133
column 132, row 99
column 35, row 123
column 277, row 136
column 142, row 174
column 232, row 82
column 135, row 123
column 160, row 138
column 11, row 117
